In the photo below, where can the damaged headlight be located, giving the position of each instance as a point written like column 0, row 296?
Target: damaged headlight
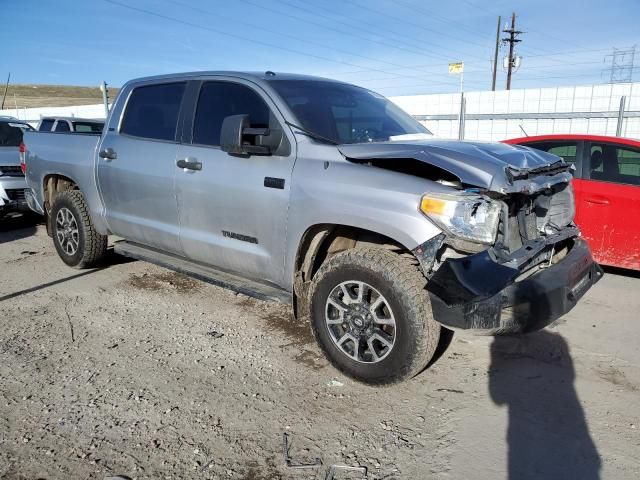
column 468, row 216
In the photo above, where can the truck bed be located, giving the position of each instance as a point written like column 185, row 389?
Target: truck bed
column 67, row 154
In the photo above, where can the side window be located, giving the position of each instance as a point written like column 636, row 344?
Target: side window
column 219, row 100
column 46, row 125
column 87, row 127
column 62, row 126
column 611, row 163
column 152, row 111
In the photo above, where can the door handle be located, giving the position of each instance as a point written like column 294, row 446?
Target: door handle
column 598, row 200
column 108, row 154
column 189, row 163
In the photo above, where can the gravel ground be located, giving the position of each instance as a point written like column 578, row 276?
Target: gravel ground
column 134, row 370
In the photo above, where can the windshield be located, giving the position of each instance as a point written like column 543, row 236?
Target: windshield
column 11, row 133
column 345, row 113
column 88, row 127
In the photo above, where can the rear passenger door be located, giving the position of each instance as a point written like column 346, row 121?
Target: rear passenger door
column 233, row 209
column 611, row 197
column 137, row 167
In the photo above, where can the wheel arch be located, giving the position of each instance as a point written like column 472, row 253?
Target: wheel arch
column 54, row 183
column 320, row 242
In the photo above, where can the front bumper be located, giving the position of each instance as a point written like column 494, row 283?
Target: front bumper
column 478, row 293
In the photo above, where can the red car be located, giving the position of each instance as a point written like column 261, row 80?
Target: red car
column 607, row 189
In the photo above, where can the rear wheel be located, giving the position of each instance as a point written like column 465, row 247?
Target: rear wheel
column 74, row 235
column 371, row 315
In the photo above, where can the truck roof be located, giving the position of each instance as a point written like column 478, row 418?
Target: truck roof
column 257, row 77
column 72, row 119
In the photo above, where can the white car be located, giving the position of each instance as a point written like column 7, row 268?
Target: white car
column 12, row 182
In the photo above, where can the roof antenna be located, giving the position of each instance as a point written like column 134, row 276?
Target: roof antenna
column 523, row 131
column 269, row 73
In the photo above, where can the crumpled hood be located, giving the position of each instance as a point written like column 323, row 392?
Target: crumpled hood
column 493, row 166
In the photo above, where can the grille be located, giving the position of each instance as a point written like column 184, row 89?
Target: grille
column 16, row 195
column 527, row 217
column 11, row 171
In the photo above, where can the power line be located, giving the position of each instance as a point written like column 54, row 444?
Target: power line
column 413, row 47
column 522, row 80
column 288, row 35
column 240, row 37
column 261, row 43
column 485, row 10
column 417, row 25
column 432, row 15
column 349, row 33
column 444, row 65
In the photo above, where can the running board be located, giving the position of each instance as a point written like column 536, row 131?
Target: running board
column 207, row 274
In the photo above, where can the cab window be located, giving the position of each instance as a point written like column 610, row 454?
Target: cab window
column 152, row 111
column 219, row 100
column 62, row 126
column 46, row 125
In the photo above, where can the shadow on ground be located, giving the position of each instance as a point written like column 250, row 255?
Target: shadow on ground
column 15, row 226
column 547, row 436
column 625, row 272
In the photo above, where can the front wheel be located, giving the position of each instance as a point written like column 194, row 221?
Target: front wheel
column 371, row 315
column 74, row 236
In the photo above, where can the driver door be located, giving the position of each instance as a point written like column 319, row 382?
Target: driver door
column 233, row 209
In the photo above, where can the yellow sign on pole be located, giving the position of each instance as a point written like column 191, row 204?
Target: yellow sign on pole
column 457, row 67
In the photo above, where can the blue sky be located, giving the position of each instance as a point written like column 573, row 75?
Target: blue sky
column 391, row 46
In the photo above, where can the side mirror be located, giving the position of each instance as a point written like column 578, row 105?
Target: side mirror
column 237, row 137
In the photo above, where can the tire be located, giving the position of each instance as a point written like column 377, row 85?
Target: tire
column 74, row 235
column 414, row 336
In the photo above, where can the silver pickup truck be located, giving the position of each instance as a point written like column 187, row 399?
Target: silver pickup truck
column 324, row 195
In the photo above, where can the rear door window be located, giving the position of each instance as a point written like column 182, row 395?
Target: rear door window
column 46, row 125
column 62, row 126
column 152, row 111
column 219, row 100
column 614, row 163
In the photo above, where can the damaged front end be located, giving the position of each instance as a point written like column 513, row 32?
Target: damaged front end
column 509, row 258
column 534, row 271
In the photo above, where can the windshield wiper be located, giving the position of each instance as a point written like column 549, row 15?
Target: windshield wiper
column 312, row 134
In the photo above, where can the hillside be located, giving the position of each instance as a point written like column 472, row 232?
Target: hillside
column 26, row 96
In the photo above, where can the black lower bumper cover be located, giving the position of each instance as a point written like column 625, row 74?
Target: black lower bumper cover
column 478, row 293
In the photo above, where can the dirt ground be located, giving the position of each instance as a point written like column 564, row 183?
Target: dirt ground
column 137, row 371
column 28, row 96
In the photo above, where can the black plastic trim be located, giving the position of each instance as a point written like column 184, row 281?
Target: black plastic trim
column 272, row 182
column 477, row 293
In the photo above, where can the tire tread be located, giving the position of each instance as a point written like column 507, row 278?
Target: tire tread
column 410, row 283
column 94, row 245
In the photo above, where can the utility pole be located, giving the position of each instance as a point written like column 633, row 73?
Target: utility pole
column 105, row 98
column 495, row 56
column 5, row 91
column 511, row 40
